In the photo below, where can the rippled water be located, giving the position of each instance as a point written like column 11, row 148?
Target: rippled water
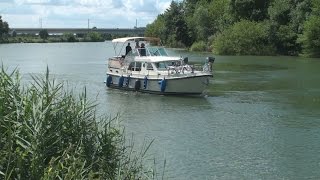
column 259, row 120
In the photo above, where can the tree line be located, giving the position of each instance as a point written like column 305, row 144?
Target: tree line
column 44, row 36
column 4, row 28
column 241, row 27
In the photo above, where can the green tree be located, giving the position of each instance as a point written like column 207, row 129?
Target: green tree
column 94, row 37
column 198, row 46
column 4, row 28
column 287, row 18
column 183, row 23
column 44, row 34
column 157, row 28
column 255, row 10
column 244, row 38
column 69, row 37
column 299, row 14
column 279, row 12
column 310, row 39
column 220, row 15
column 194, row 21
column 202, row 23
column 176, row 30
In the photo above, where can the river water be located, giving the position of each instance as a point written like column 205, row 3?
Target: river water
column 260, row 118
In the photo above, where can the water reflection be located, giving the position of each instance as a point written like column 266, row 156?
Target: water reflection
column 139, row 103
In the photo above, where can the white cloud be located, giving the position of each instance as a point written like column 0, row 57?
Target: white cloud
column 75, row 13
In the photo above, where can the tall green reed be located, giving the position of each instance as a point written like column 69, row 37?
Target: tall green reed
column 46, row 132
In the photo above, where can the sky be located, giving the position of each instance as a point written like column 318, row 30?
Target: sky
column 76, row 13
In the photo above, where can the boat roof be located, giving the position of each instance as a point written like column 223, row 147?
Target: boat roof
column 125, row 39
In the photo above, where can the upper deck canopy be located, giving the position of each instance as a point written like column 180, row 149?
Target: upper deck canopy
column 120, row 42
column 123, row 40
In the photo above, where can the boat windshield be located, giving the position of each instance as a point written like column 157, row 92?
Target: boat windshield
column 149, row 51
column 158, row 51
column 165, row 65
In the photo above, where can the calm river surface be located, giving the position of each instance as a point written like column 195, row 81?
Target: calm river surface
column 259, row 120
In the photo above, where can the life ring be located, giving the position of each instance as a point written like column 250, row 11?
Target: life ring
column 121, row 79
column 128, row 81
column 109, row 81
column 163, row 85
column 145, row 82
column 137, row 85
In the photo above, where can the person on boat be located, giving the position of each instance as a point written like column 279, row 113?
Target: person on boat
column 128, row 48
column 143, row 50
column 137, row 45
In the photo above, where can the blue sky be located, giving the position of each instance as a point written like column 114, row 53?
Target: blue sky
column 75, row 13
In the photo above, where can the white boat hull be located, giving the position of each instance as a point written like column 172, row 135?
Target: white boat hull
column 187, row 85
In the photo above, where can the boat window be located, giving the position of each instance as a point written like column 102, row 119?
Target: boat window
column 163, row 52
column 138, row 66
column 131, row 66
column 149, row 66
column 161, row 65
column 135, row 66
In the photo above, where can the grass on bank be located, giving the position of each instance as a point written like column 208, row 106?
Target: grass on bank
column 46, row 132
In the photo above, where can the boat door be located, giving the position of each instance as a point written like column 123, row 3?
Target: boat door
column 144, row 68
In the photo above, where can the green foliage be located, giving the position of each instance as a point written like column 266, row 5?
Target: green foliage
column 310, row 38
column 157, row 28
column 315, row 7
column 279, row 11
column 244, row 38
column 287, row 18
column 202, row 23
column 94, row 37
column 299, row 15
column 176, row 27
column 283, row 21
column 220, row 16
column 4, row 29
column 286, row 40
column 255, row 10
column 44, row 34
column 199, row 46
column 209, row 18
column 171, row 27
column 69, row 37
column 48, row 133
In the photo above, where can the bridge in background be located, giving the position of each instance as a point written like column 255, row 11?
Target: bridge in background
column 116, row 31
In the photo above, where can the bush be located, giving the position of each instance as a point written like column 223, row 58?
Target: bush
column 199, row 46
column 93, row 37
column 310, row 38
column 69, row 37
column 44, row 34
column 244, row 38
column 48, row 133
